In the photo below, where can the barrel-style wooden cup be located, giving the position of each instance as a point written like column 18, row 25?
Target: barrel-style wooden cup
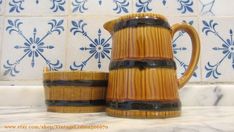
column 75, row 91
column 142, row 80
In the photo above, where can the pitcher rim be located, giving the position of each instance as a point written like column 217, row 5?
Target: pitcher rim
column 109, row 26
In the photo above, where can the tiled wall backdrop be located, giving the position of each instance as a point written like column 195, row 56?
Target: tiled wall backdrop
column 68, row 35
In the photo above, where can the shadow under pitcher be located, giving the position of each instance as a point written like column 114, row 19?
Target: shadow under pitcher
column 142, row 79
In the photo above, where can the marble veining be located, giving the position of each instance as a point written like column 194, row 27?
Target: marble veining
column 193, row 119
column 207, row 95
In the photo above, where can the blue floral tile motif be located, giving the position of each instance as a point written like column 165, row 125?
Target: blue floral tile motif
column 120, row 6
column 98, row 48
column 79, row 5
column 17, row 6
column 185, row 6
column 58, row 5
column 33, row 47
column 177, row 49
column 143, row 6
column 226, row 48
column 207, row 8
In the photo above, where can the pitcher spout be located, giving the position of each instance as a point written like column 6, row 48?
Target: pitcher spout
column 109, row 26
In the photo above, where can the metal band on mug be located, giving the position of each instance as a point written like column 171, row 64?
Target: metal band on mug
column 97, row 83
column 75, row 103
column 145, row 105
column 142, row 64
column 142, row 22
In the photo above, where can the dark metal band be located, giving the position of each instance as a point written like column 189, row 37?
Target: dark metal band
column 142, row 22
column 75, row 103
column 97, row 83
column 142, row 64
column 146, row 105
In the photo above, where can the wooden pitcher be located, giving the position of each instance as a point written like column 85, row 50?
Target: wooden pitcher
column 142, row 79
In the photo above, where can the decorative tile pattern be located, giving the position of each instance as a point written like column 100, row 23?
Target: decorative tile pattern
column 89, row 45
column 104, row 7
column 167, row 7
column 206, row 8
column 218, row 51
column 182, row 47
column 34, row 47
column 29, row 7
column 99, row 48
column 216, row 7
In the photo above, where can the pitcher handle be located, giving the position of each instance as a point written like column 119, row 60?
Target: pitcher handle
column 195, row 51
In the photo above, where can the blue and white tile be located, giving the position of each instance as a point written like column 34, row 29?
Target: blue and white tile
column 216, row 7
column 218, row 49
column 104, row 7
column 167, row 7
column 182, row 47
column 2, row 3
column 36, row 7
column 30, row 44
column 89, row 46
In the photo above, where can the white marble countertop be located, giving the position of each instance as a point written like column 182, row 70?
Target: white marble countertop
column 193, row 119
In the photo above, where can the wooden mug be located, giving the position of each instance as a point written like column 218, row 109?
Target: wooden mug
column 75, row 91
column 142, row 80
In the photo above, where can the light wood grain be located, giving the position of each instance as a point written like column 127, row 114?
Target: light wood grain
column 142, row 43
column 74, row 93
